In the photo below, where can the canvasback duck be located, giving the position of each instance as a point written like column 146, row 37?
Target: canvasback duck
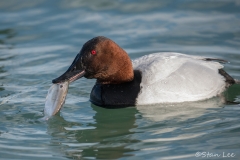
column 164, row 77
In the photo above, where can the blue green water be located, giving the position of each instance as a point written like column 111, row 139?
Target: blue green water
column 39, row 40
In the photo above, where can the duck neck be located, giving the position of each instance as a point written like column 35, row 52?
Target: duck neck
column 122, row 76
column 121, row 70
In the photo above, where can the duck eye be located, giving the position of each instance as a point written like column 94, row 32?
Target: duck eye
column 93, row 52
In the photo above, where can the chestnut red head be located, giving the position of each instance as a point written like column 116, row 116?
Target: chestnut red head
column 100, row 58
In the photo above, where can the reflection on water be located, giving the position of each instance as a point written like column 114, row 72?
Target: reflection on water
column 38, row 41
column 145, row 130
column 105, row 138
column 179, row 131
column 180, row 112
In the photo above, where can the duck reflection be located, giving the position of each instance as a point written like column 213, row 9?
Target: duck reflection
column 179, row 111
column 106, row 138
column 116, row 133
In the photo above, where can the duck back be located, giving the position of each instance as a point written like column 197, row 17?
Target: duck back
column 174, row 77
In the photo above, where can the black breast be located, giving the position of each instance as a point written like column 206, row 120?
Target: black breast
column 117, row 95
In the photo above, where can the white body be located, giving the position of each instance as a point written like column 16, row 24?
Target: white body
column 55, row 99
column 169, row 77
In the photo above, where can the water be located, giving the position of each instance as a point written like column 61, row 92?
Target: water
column 39, row 40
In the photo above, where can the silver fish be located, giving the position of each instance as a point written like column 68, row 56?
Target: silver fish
column 55, row 99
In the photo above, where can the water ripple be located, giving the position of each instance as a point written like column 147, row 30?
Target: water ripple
column 38, row 42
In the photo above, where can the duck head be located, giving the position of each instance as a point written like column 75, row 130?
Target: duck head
column 102, row 59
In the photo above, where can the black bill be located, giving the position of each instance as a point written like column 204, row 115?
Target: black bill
column 74, row 72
